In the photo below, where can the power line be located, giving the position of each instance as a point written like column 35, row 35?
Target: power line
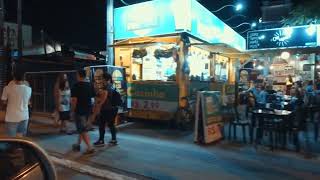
column 125, row 3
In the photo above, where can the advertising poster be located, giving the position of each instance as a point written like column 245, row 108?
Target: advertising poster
column 208, row 117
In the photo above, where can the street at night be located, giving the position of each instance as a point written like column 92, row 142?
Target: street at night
column 148, row 151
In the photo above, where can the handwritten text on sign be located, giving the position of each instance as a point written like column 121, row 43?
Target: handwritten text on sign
column 154, row 105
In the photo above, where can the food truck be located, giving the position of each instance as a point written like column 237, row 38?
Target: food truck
column 170, row 49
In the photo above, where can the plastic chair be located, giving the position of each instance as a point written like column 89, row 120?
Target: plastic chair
column 237, row 121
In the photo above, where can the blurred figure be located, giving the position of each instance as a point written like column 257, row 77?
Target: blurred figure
column 309, row 94
column 82, row 94
column 299, row 94
column 108, row 112
column 261, row 97
column 289, row 84
column 16, row 96
column 64, row 100
column 62, row 78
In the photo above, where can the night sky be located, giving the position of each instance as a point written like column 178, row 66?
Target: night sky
column 82, row 22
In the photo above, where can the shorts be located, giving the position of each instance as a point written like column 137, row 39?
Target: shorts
column 64, row 115
column 14, row 128
column 81, row 123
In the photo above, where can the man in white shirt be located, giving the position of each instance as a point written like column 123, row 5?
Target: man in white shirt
column 16, row 96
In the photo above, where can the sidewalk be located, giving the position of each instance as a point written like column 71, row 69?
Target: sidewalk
column 151, row 151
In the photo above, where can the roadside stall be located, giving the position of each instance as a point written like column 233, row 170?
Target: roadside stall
column 169, row 56
column 283, row 52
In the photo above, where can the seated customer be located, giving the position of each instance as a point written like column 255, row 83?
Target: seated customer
column 261, row 97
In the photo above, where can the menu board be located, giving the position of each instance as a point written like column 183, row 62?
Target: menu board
column 208, row 117
column 300, row 36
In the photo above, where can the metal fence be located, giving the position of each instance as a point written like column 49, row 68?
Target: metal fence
column 42, row 84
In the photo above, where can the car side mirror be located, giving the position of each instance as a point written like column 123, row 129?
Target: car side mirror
column 23, row 159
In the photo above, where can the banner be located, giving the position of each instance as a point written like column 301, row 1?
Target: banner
column 208, row 117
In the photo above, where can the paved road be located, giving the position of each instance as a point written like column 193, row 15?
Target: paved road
column 152, row 151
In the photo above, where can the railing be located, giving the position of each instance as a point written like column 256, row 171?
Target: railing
column 42, row 84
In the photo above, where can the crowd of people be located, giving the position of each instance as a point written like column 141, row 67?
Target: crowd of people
column 303, row 94
column 81, row 103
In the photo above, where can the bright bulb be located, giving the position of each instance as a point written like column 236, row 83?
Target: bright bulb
column 260, row 67
column 254, row 24
column 311, row 30
column 288, row 32
column 285, row 55
column 318, row 66
column 271, row 67
column 239, row 7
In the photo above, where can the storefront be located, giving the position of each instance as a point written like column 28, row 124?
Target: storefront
column 283, row 52
column 171, row 55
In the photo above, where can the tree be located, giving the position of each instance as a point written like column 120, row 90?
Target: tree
column 304, row 14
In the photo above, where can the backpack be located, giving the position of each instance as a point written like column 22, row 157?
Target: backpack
column 116, row 99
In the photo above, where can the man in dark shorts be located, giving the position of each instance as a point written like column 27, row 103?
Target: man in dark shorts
column 82, row 95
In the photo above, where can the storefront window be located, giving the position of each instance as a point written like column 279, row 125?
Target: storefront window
column 158, row 68
column 199, row 64
column 221, row 68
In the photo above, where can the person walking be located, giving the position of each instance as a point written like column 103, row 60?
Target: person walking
column 16, row 96
column 82, row 94
column 289, row 84
column 108, row 111
column 64, row 102
column 62, row 77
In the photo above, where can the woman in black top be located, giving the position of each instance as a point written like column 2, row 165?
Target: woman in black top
column 108, row 112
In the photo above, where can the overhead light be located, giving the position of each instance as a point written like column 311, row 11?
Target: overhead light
column 288, row 32
column 239, row 7
column 260, row 67
column 285, row 55
column 311, row 30
column 318, row 66
column 260, row 20
column 253, row 24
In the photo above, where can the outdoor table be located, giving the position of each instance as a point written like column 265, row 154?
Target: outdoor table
column 278, row 119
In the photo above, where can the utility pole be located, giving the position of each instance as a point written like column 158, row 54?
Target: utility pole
column 19, row 22
column 1, row 24
column 110, row 33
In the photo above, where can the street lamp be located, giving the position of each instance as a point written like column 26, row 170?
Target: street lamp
column 237, row 7
column 246, row 23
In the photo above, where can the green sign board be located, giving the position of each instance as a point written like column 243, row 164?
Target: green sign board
column 152, row 91
column 147, row 96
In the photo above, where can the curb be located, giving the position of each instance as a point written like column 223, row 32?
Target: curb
column 89, row 169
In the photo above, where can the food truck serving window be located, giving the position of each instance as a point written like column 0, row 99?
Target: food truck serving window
column 153, row 62
column 199, row 63
column 157, row 66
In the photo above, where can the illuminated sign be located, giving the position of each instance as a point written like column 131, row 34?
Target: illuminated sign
column 160, row 17
column 299, row 36
column 210, row 28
